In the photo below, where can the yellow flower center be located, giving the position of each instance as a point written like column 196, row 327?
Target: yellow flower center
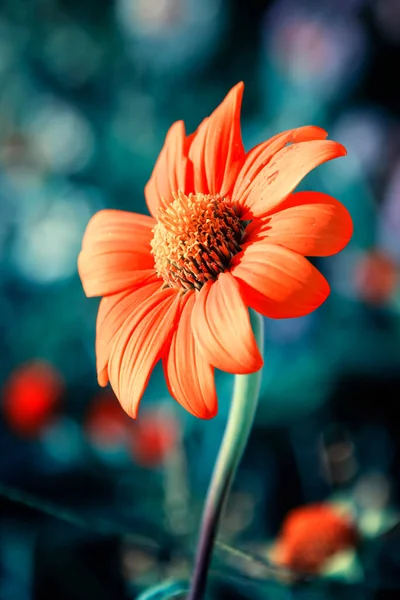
column 195, row 239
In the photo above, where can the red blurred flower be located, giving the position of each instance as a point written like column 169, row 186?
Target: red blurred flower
column 312, row 534
column 106, row 424
column 154, row 438
column 31, row 396
column 376, row 277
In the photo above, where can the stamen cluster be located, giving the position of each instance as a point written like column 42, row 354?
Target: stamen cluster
column 195, row 239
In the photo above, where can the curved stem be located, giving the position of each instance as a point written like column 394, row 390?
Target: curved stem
column 237, row 431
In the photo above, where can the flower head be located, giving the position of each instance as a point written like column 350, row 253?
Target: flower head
column 376, row 277
column 226, row 233
column 311, row 535
column 31, row 396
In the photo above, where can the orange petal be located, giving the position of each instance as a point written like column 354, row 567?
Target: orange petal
column 171, row 172
column 113, row 312
column 140, row 343
column 284, row 172
column 217, row 150
column 310, row 223
column 221, row 327
column 115, row 252
column 189, row 377
column 261, row 155
column 278, row 282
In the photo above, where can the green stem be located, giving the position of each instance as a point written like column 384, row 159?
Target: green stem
column 237, row 431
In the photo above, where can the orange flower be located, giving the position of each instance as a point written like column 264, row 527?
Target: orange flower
column 31, row 395
column 105, row 424
column 154, row 437
column 226, row 232
column 376, row 277
column 311, row 535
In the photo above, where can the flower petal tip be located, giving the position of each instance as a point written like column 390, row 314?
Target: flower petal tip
column 239, row 87
column 261, row 363
column 207, row 415
column 131, row 409
column 102, row 378
column 341, row 150
column 210, row 416
column 237, row 92
column 254, row 366
column 307, row 133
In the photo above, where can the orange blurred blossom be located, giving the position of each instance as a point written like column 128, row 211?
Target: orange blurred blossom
column 311, row 535
column 105, row 423
column 226, row 233
column 153, row 438
column 31, row 396
column 376, row 277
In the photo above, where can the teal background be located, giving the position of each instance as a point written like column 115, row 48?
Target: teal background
column 88, row 90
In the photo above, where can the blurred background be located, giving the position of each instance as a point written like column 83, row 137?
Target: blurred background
column 92, row 504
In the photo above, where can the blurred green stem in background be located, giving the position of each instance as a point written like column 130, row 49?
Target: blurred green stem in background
column 238, row 428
